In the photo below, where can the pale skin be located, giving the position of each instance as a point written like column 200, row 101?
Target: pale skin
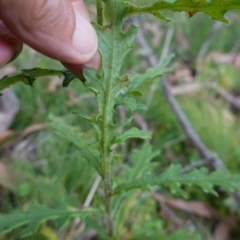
column 59, row 29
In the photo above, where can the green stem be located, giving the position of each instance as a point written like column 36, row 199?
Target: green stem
column 99, row 12
column 107, row 119
column 106, row 165
column 113, row 16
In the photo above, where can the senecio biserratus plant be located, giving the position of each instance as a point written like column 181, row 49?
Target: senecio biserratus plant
column 112, row 89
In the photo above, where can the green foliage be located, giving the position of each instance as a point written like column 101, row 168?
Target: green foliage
column 215, row 8
column 224, row 136
column 132, row 133
column 151, row 73
column 112, row 88
column 174, row 179
column 36, row 214
column 29, row 76
column 78, row 139
column 140, row 162
column 180, row 234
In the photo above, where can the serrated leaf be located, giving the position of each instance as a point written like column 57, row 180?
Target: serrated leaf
column 106, row 83
column 68, row 78
column 84, row 116
column 173, row 179
column 67, row 132
column 214, row 8
column 141, row 161
column 28, row 76
column 132, row 133
column 112, row 57
column 78, row 139
column 151, row 73
column 36, row 215
column 93, row 80
column 160, row 16
column 122, row 124
column 132, row 104
column 30, row 79
column 93, row 157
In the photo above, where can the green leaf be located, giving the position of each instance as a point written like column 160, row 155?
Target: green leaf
column 174, row 179
column 181, row 234
column 151, row 73
column 35, row 215
column 78, row 139
column 132, row 133
column 67, row 132
column 141, row 161
column 28, row 76
column 215, row 8
column 113, row 46
column 94, row 225
column 108, row 82
column 136, row 93
column 68, row 78
column 122, row 124
column 132, row 104
column 160, row 16
column 84, row 116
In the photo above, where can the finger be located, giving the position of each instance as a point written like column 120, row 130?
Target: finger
column 56, row 28
column 10, row 47
column 95, row 62
column 80, row 6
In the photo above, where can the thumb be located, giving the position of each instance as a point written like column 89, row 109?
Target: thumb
column 59, row 29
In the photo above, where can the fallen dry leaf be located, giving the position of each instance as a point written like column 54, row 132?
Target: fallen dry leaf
column 6, row 135
column 140, row 121
column 224, row 58
column 29, row 130
column 186, row 88
column 193, row 207
column 182, row 73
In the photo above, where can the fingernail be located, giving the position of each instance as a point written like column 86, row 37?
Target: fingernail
column 6, row 55
column 4, row 62
column 84, row 38
column 9, row 50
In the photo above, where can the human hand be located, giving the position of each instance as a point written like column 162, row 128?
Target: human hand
column 59, row 29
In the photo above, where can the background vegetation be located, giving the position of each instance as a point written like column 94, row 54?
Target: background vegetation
column 39, row 166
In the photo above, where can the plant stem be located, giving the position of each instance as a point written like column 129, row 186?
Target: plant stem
column 106, row 163
column 109, row 44
column 99, row 12
column 107, row 119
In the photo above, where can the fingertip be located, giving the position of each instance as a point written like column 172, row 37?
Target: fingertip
column 80, row 6
column 10, row 46
column 7, row 52
column 84, row 39
column 95, row 63
column 75, row 69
